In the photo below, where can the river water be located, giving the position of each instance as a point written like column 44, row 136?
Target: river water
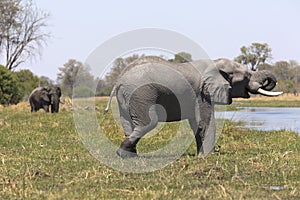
column 266, row 118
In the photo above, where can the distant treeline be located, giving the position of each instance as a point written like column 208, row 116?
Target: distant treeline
column 287, row 74
column 76, row 80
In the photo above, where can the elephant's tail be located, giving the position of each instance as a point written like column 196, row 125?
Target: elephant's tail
column 110, row 98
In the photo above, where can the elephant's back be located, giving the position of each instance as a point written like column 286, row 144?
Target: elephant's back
column 157, row 73
column 155, row 69
column 36, row 90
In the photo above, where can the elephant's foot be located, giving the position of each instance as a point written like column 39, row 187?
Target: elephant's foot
column 126, row 154
column 127, row 149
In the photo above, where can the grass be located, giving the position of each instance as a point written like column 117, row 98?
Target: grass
column 42, row 157
column 285, row 100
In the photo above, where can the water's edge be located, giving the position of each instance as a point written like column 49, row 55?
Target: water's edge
column 265, row 118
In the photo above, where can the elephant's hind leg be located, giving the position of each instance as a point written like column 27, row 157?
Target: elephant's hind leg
column 128, row 146
column 125, row 118
column 32, row 106
column 126, row 122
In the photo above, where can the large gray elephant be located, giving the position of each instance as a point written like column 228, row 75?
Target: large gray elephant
column 43, row 97
column 152, row 90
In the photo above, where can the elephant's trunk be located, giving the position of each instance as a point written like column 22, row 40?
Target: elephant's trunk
column 262, row 82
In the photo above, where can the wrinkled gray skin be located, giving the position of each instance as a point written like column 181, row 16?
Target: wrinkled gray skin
column 43, row 97
column 152, row 90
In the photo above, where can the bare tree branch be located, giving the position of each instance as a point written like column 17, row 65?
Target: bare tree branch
column 22, row 33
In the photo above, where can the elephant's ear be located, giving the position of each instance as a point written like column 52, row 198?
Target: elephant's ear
column 217, row 84
column 227, row 76
column 45, row 96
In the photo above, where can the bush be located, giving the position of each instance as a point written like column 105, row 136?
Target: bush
column 105, row 91
column 82, row 91
column 288, row 86
column 9, row 87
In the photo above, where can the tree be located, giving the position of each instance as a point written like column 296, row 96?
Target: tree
column 27, row 82
column 104, row 86
column 254, row 55
column 21, row 31
column 283, row 70
column 45, row 81
column 101, row 88
column 266, row 66
column 286, row 73
column 288, row 86
column 293, row 63
column 9, row 87
column 74, row 74
column 118, row 66
column 297, row 75
column 181, row 57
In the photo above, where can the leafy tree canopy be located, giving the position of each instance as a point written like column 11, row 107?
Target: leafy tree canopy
column 254, row 55
column 104, row 86
column 27, row 81
column 181, row 57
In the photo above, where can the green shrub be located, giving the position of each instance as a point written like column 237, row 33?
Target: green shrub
column 105, row 91
column 9, row 87
column 82, row 91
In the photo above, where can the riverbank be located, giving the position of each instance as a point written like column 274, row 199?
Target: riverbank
column 285, row 100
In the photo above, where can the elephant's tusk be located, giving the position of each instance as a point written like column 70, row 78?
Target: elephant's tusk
column 268, row 93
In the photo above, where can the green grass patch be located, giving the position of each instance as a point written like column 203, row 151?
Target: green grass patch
column 42, row 157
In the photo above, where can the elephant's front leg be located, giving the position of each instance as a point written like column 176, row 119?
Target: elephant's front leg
column 203, row 125
column 46, row 108
column 198, row 133
column 208, row 125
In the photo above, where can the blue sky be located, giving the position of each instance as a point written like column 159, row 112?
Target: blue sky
column 219, row 27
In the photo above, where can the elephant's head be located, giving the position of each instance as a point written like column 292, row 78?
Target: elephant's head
column 244, row 81
column 52, row 95
column 213, row 84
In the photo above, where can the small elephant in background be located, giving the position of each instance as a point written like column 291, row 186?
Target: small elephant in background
column 43, row 97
